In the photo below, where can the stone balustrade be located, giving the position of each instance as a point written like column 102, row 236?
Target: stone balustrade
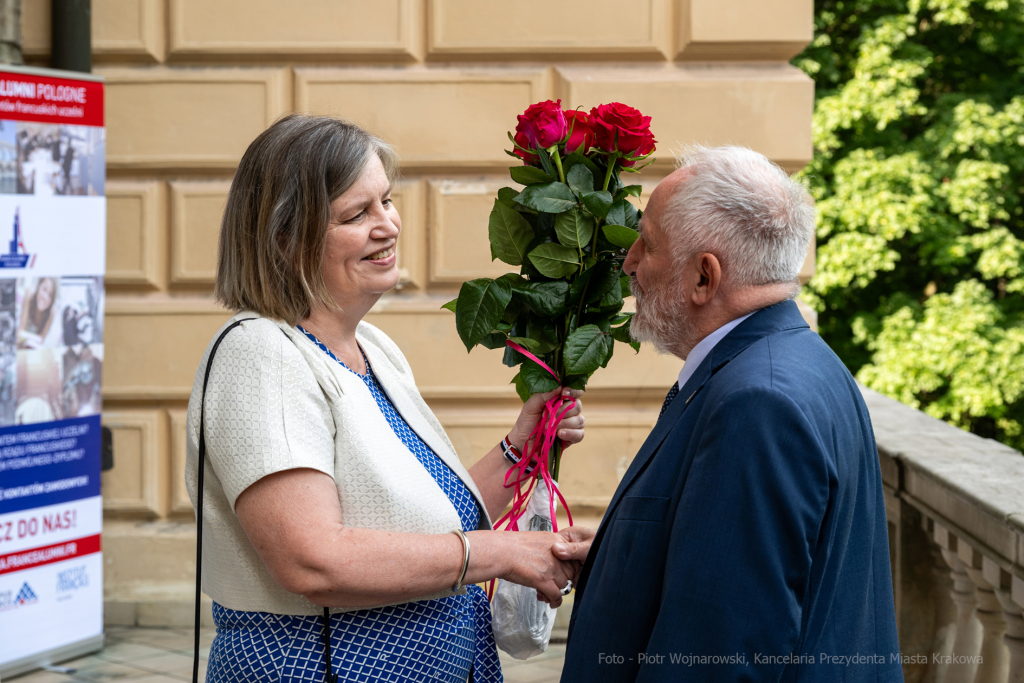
column 955, row 508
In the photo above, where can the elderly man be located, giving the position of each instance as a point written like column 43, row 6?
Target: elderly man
column 747, row 540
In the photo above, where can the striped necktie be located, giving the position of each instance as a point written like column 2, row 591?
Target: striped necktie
column 672, row 393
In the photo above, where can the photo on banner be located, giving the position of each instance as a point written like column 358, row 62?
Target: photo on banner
column 8, row 157
column 8, row 347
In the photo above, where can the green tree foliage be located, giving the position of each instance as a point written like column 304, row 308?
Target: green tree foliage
column 918, row 170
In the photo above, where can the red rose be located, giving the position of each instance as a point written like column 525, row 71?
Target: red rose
column 646, row 148
column 622, row 129
column 543, row 124
column 527, row 158
column 581, row 135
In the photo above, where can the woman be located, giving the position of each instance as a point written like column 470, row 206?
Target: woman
column 37, row 313
column 329, row 482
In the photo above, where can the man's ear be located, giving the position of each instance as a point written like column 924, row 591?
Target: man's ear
column 709, row 278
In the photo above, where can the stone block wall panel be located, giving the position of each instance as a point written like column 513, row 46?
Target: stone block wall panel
column 410, row 202
column 136, row 231
column 180, row 502
column 460, row 115
column 765, row 107
column 459, row 247
column 122, row 30
column 773, row 30
column 383, row 29
column 197, row 208
column 600, row 29
column 140, row 444
column 155, row 346
column 188, row 119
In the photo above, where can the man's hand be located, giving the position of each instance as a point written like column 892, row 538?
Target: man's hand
column 575, row 548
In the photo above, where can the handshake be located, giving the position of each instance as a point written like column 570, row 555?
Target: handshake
column 548, row 562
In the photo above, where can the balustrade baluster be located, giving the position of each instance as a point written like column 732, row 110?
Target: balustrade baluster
column 968, row 638
column 995, row 663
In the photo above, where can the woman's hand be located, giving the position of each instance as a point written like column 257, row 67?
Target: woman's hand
column 570, row 429
column 527, row 559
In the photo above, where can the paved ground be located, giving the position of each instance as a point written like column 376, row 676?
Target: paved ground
column 164, row 655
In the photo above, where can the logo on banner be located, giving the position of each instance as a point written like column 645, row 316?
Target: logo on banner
column 17, row 256
column 25, row 596
column 71, row 580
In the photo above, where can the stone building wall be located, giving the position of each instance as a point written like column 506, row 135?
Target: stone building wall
column 191, row 82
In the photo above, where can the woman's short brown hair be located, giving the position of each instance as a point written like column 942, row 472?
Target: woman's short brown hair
column 275, row 225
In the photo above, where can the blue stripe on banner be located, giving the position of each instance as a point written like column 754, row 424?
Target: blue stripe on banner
column 49, row 463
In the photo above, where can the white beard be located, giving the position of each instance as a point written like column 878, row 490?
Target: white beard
column 660, row 320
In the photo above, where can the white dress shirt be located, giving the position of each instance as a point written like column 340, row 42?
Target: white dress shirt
column 703, row 348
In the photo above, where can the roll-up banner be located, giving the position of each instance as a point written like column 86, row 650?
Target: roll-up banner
column 52, row 253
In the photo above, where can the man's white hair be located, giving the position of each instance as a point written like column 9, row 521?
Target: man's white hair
column 744, row 209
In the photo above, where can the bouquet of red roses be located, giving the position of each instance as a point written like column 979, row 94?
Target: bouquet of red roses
column 559, row 317
column 569, row 231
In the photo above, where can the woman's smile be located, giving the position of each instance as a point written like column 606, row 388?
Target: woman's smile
column 384, row 257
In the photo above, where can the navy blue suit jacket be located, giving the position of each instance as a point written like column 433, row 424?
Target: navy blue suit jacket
column 749, row 533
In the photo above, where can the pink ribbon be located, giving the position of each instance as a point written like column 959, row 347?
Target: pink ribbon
column 535, row 453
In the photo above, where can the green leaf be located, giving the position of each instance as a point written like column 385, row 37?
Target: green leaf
column 554, row 260
column 507, row 196
column 481, row 305
column 606, row 278
column 594, row 281
column 608, row 354
column 634, row 190
column 494, row 340
column 580, row 179
column 514, row 279
column 578, row 382
column 542, row 332
column 452, row 304
column 524, row 393
column 613, row 297
column 621, row 333
column 510, row 234
column 597, row 203
column 621, row 318
column 617, row 213
column 574, row 228
column 545, row 161
column 529, row 175
column 549, row 299
column 620, row 235
column 526, row 343
column 536, row 379
column 632, row 216
column 547, row 197
column 586, row 350
column 577, row 158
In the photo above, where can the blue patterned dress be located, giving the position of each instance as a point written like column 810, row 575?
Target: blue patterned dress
column 430, row 640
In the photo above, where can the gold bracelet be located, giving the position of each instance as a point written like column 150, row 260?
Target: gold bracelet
column 465, row 559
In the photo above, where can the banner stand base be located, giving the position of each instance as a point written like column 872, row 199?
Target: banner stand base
column 54, row 656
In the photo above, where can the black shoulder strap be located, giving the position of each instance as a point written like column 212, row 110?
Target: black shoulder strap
column 199, row 494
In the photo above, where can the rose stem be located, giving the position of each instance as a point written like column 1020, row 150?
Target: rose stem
column 558, row 163
column 608, row 175
column 556, row 453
